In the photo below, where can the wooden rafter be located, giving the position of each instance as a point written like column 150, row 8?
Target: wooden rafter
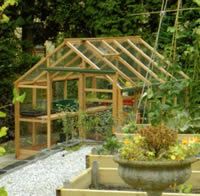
column 138, row 62
column 74, row 59
column 110, row 64
column 149, row 59
column 53, row 65
column 39, row 63
column 161, row 57
column 88, row 60
column 134, row 71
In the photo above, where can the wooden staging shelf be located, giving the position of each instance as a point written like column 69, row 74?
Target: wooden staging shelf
column 43, row 119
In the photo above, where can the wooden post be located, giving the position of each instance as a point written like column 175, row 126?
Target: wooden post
column 94, row 177
column 120, row 108
column 65, row 89
column 114, row 101
column 34, row 100
column 81, row 97
column 49, row 105
column 17, row 127
column 94, row 84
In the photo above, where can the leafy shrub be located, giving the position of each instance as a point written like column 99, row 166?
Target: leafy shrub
column 130, row 127
column 158, row 143
column 158, row 137
column 110, row 146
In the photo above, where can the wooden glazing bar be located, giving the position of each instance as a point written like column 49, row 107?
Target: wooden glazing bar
column 120, row 108
column 73, row 77
column 114, row 101
column 99, row 100
column 40, row 62
column 34, row 103
column 65, row 89
column 88, row 60
column 31, row 70
column 82, row 105
column 49, row 102
column 29, row 119
column 134, row 71
column 17, row 127
column 149, row 59
column 161, row 57
column 109, row 46
column 31, row 86
column 94, row 85
column 66, row 65
column 62, row 58
column 138, row 62
column 63, row 78
column 98, row 90
column 110, row 64
column 54, row 64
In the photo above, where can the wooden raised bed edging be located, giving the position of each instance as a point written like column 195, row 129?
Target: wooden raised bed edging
column 79, row 186
column 106, row 161
column 120, row 136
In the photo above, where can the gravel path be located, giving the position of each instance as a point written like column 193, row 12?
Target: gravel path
column 44, row 176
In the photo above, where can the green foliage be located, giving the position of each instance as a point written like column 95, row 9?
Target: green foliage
column 197, row 2
column 2, row 114
column 136, row 149
column 110, row 146
column 181, row 151
column 3, row 131
column 2, row 151
column 69, row 123
column 169, row 112
column 17, row 97
column 158, row 143
column 185, row 188
column 3, row 192
column 99, row 123
column 6, row 3
column 131, row 127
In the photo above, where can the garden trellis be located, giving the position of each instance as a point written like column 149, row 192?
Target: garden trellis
column 105, row 70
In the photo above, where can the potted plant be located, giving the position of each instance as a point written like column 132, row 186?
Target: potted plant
column 155, row 159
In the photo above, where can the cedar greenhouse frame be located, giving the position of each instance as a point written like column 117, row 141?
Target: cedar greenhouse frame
column 116, row 60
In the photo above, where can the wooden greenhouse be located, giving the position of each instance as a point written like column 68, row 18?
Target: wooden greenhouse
column 101, row 72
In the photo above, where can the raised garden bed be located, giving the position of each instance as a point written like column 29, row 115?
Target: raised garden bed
column 120, row 136
column 106, row 161
column 108, row 177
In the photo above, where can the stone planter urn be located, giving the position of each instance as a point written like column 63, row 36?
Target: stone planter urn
column 154, row 176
